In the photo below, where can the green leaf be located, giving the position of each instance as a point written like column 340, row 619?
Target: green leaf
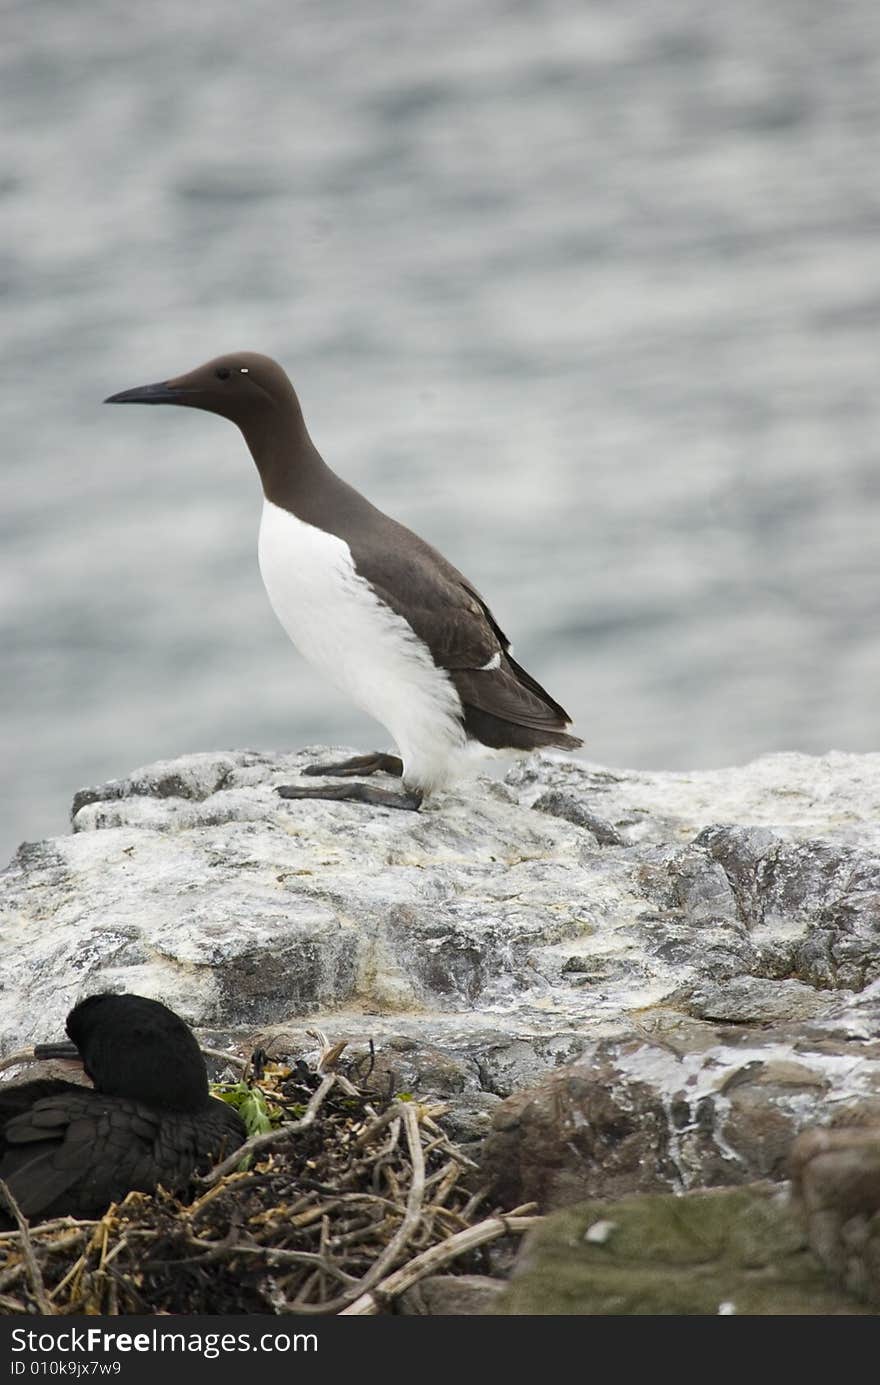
column 252, row 1106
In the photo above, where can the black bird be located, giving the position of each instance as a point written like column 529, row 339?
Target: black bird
column 380, row 612
column 150, row 1119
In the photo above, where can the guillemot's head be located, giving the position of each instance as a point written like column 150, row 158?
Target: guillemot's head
column 242, row 387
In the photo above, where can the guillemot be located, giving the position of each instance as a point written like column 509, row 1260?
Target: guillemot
column 379, row 611
column 70, row 1150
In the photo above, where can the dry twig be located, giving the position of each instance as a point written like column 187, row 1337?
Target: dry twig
column 27, row 1250
column 431, row 1260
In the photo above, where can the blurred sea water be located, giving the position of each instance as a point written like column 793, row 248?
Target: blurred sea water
column 587, row 294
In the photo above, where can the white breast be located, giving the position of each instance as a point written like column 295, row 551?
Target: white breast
column 339, row 624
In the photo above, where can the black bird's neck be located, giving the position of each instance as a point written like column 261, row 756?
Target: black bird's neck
column 290, row 466
column 295, row 476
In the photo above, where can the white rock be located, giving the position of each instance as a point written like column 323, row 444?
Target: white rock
column 504, row 936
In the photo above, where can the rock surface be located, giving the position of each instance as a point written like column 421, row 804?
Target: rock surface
column 701, row 1107
column 836, row 1183
column 725, row 1252
column 703, row 946
column 451, row 1295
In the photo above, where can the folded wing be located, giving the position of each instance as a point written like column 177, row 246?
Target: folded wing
column 452, row 618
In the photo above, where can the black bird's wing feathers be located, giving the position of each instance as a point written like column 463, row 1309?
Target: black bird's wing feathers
column 47, row 1148
column 19, row 1097
column 446, row 612
column 454, row 621
column 29, row 1111
column 75, row 1151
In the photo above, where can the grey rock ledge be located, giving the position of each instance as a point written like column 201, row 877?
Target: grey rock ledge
column 685, row 926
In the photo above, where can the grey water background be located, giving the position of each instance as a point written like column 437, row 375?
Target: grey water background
column 587, row 294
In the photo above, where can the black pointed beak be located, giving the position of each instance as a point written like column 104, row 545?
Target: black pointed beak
column 63, row 1049
column 163, row 393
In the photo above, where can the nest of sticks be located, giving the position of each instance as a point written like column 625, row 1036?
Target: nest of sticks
column 347, row 1203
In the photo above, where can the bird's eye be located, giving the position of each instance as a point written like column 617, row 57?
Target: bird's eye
column 222, row 372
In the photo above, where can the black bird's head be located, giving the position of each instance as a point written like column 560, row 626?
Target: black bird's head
column 254, row 393
column 135, row 1047
column 242, row 387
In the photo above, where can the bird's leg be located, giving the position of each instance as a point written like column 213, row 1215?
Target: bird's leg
column 374, row 763
column 356, row 793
